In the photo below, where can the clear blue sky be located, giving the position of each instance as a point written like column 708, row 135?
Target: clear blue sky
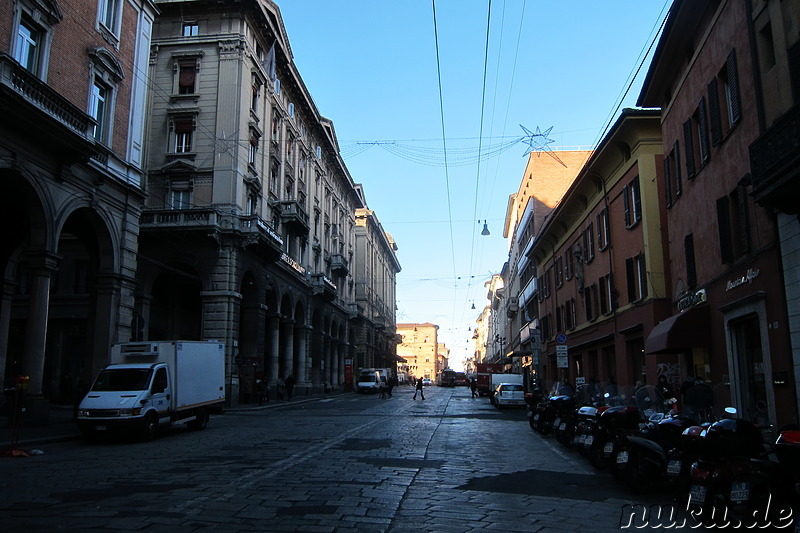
column 371, row 67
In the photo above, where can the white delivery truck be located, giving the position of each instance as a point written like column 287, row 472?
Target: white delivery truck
column 153, row 384
column 369, row 380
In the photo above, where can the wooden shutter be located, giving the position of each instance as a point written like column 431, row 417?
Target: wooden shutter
column 629, row 274
column 714, row 118
column 689, row 141
column 676, row 166
column 744, row 225
column 637, row 199
column 627, row 202
column 667, row 183
column 702, row 130
column 733, row 85
column 724, row 227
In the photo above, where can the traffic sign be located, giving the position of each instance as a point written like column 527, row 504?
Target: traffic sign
column 561, row 338
column 562, row 360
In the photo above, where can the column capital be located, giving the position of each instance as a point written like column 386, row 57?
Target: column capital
column 43, row 260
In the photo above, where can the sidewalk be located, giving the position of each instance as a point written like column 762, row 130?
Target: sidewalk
column 61, row 427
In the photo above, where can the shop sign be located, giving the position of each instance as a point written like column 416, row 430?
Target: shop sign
column 752, row 273
column 692, row 299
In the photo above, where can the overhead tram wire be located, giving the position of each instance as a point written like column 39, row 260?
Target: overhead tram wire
column 634, row 73
column 480, row 141
column 444, row 138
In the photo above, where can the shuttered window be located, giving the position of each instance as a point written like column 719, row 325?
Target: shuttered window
column 691, row 269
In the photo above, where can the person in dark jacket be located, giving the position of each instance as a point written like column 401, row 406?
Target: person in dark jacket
column 289, row 384
column 419, row 389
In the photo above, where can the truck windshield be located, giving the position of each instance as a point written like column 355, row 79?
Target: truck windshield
column 122, row 379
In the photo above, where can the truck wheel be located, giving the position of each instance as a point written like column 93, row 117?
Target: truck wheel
column 150, row 427
column 200, row 421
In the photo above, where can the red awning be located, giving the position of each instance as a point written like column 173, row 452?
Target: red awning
column 684, row 331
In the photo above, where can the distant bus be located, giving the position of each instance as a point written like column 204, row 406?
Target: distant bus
column 447, row 378
column 451, row 378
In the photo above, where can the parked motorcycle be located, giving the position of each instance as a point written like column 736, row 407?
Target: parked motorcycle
column 738, row 481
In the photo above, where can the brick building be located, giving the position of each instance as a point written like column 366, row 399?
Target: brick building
column 73, row 98
column 420, row 348
column 729, row 320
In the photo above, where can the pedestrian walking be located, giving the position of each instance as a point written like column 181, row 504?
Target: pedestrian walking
column 289, row 384
column 473, row 386
column 263, row 391
column 419, row 389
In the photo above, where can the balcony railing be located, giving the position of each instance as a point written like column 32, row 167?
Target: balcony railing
column 339, row 265
column 294, row 215
column 322, row 286
column 209, row 219
column 774, row 163
column 43, row 97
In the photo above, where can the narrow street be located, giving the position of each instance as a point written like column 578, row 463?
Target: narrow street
column 344, row 463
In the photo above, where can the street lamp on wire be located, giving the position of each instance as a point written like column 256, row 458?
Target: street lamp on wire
column 501, row 341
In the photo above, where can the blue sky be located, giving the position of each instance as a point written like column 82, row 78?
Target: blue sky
column 371, row 67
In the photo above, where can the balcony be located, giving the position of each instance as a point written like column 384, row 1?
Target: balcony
column 339, row 265
column 34, row 107
column 775, row 164
column 208, row 221
column 323, row 287
column 294, row 216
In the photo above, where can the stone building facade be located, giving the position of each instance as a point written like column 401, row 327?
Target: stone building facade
column 73, row 96
column 420, row 348
column 248, row 233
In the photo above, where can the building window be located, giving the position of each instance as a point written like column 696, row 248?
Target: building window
column 733, row 224
column 559, row 272
column 99, row 110
column 256, row 95
column 606, row 294
column 588, row 243
column 570, row 314
column 187, row 78
column 672, row 175
column 105, row 74
column 569, row 264
column 590, row 301
column 252, row 204
column 182, row 133
column 276, row 126
column 180, row 194
column 724, row 106
column 603, row 229
column 632, row 201
column 253, row 152
column 190, row 29
column 695, row 138
column 636, row 274
column 28, row 49
column 109, row 13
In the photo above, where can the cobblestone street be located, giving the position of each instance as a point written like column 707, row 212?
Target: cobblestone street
column 344, row 463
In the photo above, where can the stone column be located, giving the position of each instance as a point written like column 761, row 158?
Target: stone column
column 326, row 359
column 42, row 266
column 272, row 358
column 5, row 324
column 302, row 365
column 287, row 328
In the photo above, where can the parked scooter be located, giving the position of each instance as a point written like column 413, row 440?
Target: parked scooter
column 542, row 417
column 737, row 480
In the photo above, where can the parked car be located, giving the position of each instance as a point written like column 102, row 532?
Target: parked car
column 426, row 382
column 509, row 394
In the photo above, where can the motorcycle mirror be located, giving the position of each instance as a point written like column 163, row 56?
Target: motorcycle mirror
column 606, row 395
column 730, row 412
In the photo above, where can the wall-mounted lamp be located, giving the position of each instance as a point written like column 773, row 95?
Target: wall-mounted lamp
column 485, row 230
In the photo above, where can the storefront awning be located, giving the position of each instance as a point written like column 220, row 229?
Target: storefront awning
column 684, row 331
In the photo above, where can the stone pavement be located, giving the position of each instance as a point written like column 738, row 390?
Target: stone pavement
column 61, row 427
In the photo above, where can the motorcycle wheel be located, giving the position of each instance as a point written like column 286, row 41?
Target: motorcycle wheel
column 597, row 458
column 638, row 475
column 564, row 437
